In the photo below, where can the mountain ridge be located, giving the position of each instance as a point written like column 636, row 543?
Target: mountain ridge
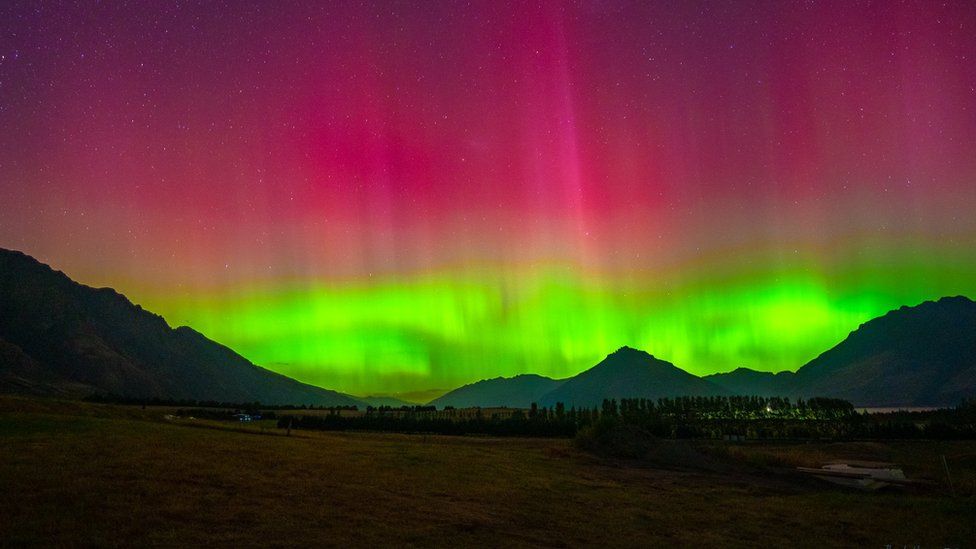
column 511, row 392
column 628, row 373
column 63, row 338
column 60, row 337
column 920, row 355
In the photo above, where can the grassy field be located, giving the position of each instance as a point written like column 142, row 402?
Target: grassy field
column 86, row 474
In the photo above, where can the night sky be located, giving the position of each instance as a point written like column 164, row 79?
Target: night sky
column 392, row 196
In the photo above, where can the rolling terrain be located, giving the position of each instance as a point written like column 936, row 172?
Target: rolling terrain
column 511, row 392
column 80, row 474
column 744, row 381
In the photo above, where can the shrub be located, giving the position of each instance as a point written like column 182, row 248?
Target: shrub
column 609, row 436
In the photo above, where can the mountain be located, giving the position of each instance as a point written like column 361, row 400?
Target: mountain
column 393, row 402
column 59, row 337
column 629, row 373
column 743, row 381
column 406, row 398
column 422, row 396
column 513, row 392
column 913, row 356
column 63, row 338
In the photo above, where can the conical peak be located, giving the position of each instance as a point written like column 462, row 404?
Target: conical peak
column 625, row 350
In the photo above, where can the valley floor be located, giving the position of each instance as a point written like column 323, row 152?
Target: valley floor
column 85, row 474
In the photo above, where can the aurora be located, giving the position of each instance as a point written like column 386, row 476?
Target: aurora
column 376, row 199
column 445, row 330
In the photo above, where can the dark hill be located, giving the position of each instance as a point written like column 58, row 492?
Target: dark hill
column 744, row 381
column 392, row 402
column 912, row 356
column 514, row 392
column 629, row 373
column 64, row 338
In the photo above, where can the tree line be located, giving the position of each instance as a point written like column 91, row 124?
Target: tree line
column 111, row 398
column 717, row 417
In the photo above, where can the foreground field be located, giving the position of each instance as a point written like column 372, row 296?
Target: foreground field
column 83, row 474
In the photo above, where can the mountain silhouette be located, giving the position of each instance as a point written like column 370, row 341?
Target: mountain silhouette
column 59, row 337
column 912, row 356
column 744, row 381
column 62, row 338
column 512, row 392
column 629, row 373
column 392, row 402
column 625, row 373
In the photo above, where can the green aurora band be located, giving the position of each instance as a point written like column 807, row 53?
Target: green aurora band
column 442, row 331
column 376, row 198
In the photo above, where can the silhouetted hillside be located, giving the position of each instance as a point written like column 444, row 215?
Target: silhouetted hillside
column 913, row 356
column 514, row 392
column 922, row 356
column 392, row 402
column 743, row 381
column 61, row 337
column 629, row 373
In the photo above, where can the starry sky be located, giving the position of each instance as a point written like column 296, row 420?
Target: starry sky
column 395, row 196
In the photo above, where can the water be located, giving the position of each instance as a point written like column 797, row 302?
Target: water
column 897, row 409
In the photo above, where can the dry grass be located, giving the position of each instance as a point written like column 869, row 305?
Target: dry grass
column 82, row 474
column 919, row 459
